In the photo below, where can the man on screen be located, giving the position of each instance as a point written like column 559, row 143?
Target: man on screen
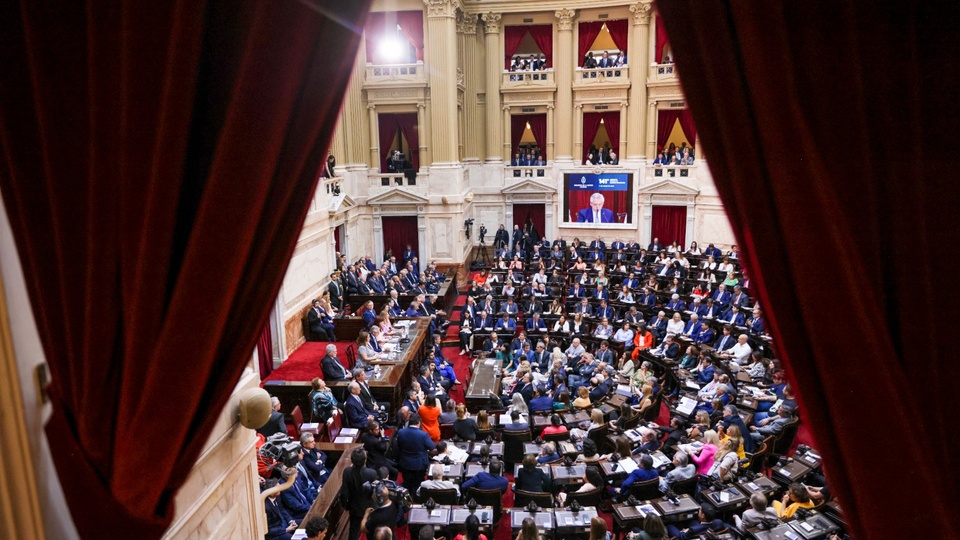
column 596, row 213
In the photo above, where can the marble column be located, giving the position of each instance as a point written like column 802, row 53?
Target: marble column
column 625, row 139
column 474, row 142
column 374, row 138
column 491, row 30
column 505, row 152
column 350, row 129
column 652, row 128
column 550, row 137
column 637, row 62
column 442, row 72
column 577, row 134
column 563, row 62
column 423, row 139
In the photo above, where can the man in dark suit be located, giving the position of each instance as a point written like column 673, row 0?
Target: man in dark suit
column 280, row 524
column 697, row 307
column 605, row 354
column 332, row 369
column 668, row 349
column 366, row 396
column 357, row 414
column 541, row 402
column 320, row 322
column 541, row 358
column 655, row 246
column 604, row 311
column 515, row 423
column 488, row 480
column 275, row 424
column 502, row 237
column 726, row 341
column 733, row 316
column 408, row 254
column 705, row 335
column 353, row 283
column 536, row 324
column 336, row 293
column 413, row 445
column 740, row 298
column 755, row 323
column 732, row 418
column 352, row 495
column 577, row 291
column 596, row 213
column 675, row 303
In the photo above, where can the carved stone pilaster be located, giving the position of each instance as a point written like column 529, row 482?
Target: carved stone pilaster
column 491, row 22
column 442, row 8
column 467, row 24
column 642, row 11
column 565, row 18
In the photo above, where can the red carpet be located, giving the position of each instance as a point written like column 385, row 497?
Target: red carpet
column 304, row 363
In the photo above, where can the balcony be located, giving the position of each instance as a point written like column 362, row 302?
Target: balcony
column 663, row 74
column 392, row 180
column 395, row 76
column 525, row 172
column 606, row 77
column 520, row 81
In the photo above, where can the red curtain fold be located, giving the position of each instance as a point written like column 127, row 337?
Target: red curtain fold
column 618, row 33
column 387, row 128
column 669, row 224
column 155, row 202
column 538, row 125
column 661, row 40
column 542, row 35
column 411, row 24
column 408, row 125
column 591, row 126
column 666, row 119
column 398, row 231
column 611, row 121
column 588, row 32
column 512, row 36
column 375, row 29
column 518, row 123
column 265, row 352
column 688, row 126
column 533, row 212
column 875, row 222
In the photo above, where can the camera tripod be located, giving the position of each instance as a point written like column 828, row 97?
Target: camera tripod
column 483, row 254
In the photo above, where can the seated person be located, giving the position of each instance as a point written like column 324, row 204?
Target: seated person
column 682, row 470
column 591, row 479
column 758, row 513
column 505, row 323
column 488, row 480
column 464, row 426
column 707, row 521
column 541, row 402
column 436, row 480
column 643, row 473
column 515, row 423
column 531, row 478
column 794, row 499
column 548, row 453
column 556, row 426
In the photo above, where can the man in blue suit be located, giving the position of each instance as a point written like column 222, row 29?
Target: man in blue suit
column 675, row 303
column 357, row 415
column 733, row 316
column 697, row 307
column 280, row 524
column 596, row 213
column 536, row 324
column 722, row 296
column 541, row 402
column 706, row 334
column 412, row 446
column 488, row 480
column 726, row 341
column 506, row 323
column 755, row 323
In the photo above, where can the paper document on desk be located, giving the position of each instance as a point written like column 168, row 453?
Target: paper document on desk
column 404, row 324
column 489, row 362
column 628, row 465
column 349, row 432
column 659, row 460
column 343, row 440
column 686, row 405
column 647, row 509
column 624, row 390
column 691, row 384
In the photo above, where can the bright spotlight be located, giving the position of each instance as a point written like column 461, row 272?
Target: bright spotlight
column 391, row 49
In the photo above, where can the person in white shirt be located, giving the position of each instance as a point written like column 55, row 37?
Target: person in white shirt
column 709, row 264
column 436, row 480
column 694, row 249
column 562, row 325
column 741, row 351
column 540, row 277
column 675, row 326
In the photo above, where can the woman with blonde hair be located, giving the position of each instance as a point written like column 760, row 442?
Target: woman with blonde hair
column 646, row 398
column 703, row 456
column 583, row 398
column 725, row 462
column 528, row 530
column 596, row 420
column 733, row 433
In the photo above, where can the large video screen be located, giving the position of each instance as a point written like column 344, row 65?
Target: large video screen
column 602, row 199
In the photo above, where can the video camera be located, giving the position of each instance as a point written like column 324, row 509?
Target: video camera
column 398, row 493
column 282, row 449
column 483, row 232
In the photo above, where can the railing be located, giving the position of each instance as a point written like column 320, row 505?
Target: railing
column 392, row 179
column 394, row 74
column 662, row 73
column 526, row 171
column 515, row 79
column 618, row 75
column 333, row 185
column 672, row 171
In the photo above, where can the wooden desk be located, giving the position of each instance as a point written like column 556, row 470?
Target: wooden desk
column 569, row 522
column 543, row 517
column 484, row 381
column 568, row 476
column 626, row 517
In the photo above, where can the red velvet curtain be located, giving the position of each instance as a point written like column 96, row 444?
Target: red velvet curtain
column 375, row 29
column 666, row 119
column 155, row 201
column 387, row 127
column 661, row 40
column 591, row 125
column 878, row 223
column 512, row 36
column 518, row 123
column 618, row 33
column 411, row 24
column 533, row 212
column 408, row 125
column 611, row 121
column 688, row 126
column 398, row 231
column 588, row 32
column 538, row 125
column 669, row 224
column 265, row 352
column 542, row 34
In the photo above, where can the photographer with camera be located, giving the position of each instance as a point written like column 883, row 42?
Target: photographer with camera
column 352, row 494
column 384, row 513
column 376, row 446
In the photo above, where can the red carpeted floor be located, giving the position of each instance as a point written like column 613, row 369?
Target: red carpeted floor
column 304, row 363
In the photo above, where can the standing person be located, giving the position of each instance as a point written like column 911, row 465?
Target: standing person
column 351, row 491
column 429, row 414
column 383, row 513
column 412, row 446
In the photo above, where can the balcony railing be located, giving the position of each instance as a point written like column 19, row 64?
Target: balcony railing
column 522, row 79
column 332, row 186
column 396, row 75
column 392, row 179
column 672, row 171
column 662, row 73
column 598, row 76
column 526, row 171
